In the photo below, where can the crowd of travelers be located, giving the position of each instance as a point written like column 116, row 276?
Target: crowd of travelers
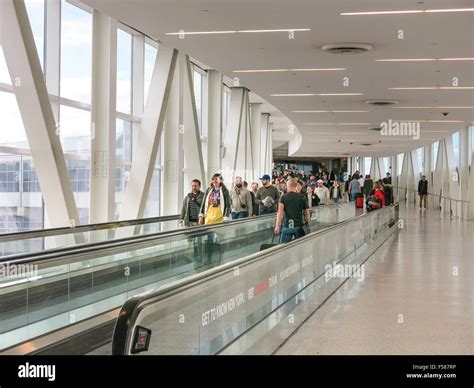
column 289, row 193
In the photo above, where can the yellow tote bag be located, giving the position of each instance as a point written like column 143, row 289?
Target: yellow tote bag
column 214, row 215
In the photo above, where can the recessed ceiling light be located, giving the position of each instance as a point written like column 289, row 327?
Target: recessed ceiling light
column 450, row 10
column 288, row 70
column 430, row 121
column 277, row 30
column 433, row 88
column 411, row 11
column 433, row 107
column 380, row 12
column 336, row 124
column 314, row 94
column 236, row 31
column 201, row 32
column 330, row 111
column 422, row 59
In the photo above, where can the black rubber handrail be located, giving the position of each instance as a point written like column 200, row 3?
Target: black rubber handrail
column 30, row 234
column 66, row 252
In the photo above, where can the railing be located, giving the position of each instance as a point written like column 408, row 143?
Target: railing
column 456, row 208
column 230, row 309
column 38, row 240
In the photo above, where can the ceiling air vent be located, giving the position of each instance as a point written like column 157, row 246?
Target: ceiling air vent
column 375, row 129
column 346, row 48
column 382, row 102
column 366, row 144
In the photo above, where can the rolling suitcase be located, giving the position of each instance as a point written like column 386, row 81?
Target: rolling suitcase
column 359, row 200
column 266, row 246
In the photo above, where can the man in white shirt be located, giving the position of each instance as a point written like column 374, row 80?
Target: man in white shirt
column 322, row 192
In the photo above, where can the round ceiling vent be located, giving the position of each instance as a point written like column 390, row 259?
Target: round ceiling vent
column 366, row 144
column 346, row 48
column 382, row 102
column 375, row 129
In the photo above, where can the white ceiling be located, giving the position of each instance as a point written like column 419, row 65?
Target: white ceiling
column 425, row 36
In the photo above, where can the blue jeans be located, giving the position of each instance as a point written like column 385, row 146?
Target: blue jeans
column 335, row 200
column 287, row 234
column 238, row 215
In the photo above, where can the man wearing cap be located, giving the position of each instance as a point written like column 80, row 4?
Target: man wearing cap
column 267, row 196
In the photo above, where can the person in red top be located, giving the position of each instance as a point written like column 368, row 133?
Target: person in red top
column 379, row 192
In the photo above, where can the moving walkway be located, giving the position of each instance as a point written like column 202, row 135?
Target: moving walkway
column 251, row 305
column 67, row 299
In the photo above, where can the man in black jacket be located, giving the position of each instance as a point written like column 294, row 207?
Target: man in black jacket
column 423, row 191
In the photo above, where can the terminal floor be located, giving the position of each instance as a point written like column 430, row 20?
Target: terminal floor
column 417, row 296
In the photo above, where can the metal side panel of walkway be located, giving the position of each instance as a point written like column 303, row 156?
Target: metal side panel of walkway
column 417, row 296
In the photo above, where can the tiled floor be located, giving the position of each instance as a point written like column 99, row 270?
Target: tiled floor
column 417, row 296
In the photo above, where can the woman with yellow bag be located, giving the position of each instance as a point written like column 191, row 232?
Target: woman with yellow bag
column 216, row 205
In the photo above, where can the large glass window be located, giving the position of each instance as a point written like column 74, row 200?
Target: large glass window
column 434, row 154
column 198, row 88
column 456, row 148
column 367, row 165
column 13, row 132
column 75, row 130
column 21, row 202
column 150, row 57
column 400, row 158
column 225, row 110
column 35, row 9
column 124, row 71
column 420, row 155
column 76, row 53
column 387, row 166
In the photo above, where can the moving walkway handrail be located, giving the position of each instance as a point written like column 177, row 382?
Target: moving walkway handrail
column 132, row 307
column 66, row 252
column 434, row 195
column 30, row 234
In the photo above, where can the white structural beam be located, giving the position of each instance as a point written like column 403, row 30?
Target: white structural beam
column 170, row 199
column 269, row 150
column 242, row 144
column 193, row 156
column 214, row 123
column 37, row 114
column 249, row 156
column 231, row 141
column 264, row 148
column 103, row 108
column 52, row 57
column 256, row 135
column 148, row 141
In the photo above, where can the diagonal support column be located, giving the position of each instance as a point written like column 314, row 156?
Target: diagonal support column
column 37, row 114
column 214, row 126
column 193, row 155
column 256, row 133
column 152, row 125
column 264, row 147
column 233, row 131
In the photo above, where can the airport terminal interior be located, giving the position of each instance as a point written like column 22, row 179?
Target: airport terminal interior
column 236, row 177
